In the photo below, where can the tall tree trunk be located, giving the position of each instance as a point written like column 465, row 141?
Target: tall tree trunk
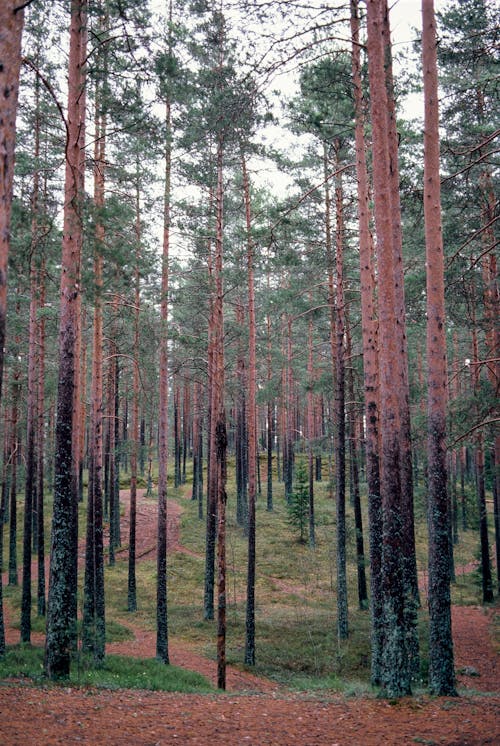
column 61, row 630
column 11, row 27
column 310, row 434
column 395, row 671
column 369, row 333
column 94, row 612
column 342, row 605
column 30, row 502
column 220, row 420
column 161, row 560
column 208, row 600
column 41, row 446
column 186, row 427
column 132, row 585
column 252, row 428
column 270, row 413
column 412, row 597
column 354, row 480
column 441, row 666
column 12, row 482
column 486, row 578
column 241, row 437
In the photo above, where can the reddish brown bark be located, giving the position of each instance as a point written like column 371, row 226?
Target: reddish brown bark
column 62, row 586
column 370, row 353
column 11, row 27
column 395, row 674
column 412, row 600
column 441, row 665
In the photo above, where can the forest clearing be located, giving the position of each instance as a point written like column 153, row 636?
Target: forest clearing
column 249, row 372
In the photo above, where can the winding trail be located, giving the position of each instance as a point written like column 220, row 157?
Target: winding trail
column 254, row 711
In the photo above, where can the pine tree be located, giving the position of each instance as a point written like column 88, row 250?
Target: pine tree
column 298, row 505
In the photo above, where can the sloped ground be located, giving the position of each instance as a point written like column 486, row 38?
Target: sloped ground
column 255, row 711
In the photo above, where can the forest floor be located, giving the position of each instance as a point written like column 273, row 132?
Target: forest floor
column 254, row 710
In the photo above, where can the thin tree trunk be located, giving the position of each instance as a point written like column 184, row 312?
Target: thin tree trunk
column 486, row 578
column 342, row 604
column 161, row 563
column 132, row 584
column 270, row 413
column 252, row 429
column 31, row 502
column 354, row 481
column 12, row 482
column 41, row 446
column 310, row 434
column 211, row 461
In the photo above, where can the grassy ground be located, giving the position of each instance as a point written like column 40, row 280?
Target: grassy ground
column 296, row 641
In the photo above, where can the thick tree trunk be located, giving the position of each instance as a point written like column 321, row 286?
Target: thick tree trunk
column 412, row 598
column 441, row 665
column 395, row 672
column 11, row 27
column 61, row 630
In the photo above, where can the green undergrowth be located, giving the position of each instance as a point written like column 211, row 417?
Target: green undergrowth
column 117, row 672
column 295, row 595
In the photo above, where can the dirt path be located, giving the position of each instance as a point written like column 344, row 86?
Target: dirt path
column 269, row 717
column 144, row 643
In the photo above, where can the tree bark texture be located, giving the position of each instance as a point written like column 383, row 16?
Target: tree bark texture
column 369, row 331
column 441, row 664
column 340, row 465
column 395, row 673
column 412, row 598
column 252, row 429
column 161, row 564
column 61, row 620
